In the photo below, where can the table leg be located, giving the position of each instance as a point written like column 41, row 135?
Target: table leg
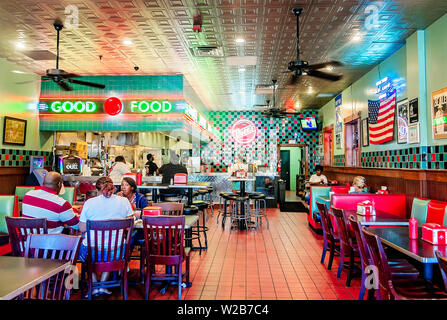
column 189, row 191
column 242, row 188
column 154, row 195
column 242, row 224
column 428, row 271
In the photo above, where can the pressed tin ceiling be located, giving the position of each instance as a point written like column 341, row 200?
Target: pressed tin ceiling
column 162, row 39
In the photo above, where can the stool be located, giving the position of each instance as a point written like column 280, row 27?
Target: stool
column 224, row 199
column 240, row 202
column 209, row 199
column 258, row 212
column 190, row 235
column 202, row 206
column 170, row 197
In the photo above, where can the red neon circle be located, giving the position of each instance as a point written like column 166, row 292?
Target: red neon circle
column 113, row 106
column 244, row 131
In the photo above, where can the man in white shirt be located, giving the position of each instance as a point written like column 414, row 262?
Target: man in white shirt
column 119, row 168
column 105, row 206
column 317, row 179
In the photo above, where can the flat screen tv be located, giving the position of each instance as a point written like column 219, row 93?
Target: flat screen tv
column 308, row 124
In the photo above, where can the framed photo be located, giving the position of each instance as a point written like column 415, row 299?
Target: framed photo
column 320, row 139
column 439, row 113
column 338, row 141
column 402, row 121
column 365, row 133
column 413, row 133
column 413, row 113
column 14, row 131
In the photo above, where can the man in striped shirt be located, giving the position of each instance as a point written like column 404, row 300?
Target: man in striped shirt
column 45, row 203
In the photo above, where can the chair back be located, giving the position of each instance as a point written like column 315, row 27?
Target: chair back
column 324, row 224
column 19, row 228
column 163, row 239
column 364, row 253
column 9, row 207
column 108, row 243
column 343, row 229
column 171, row 208
column 69, row 195
column 379, row 260
column 54, row 247
column 442, row 261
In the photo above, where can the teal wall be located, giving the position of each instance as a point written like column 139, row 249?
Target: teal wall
column 420, row 64
column 295, row 164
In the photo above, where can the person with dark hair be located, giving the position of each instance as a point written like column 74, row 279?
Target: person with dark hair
column 119, row 168
column 168, row 171
column 317, row 179
column 129, row 191
column 151, row 166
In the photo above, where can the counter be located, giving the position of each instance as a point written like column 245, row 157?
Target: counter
column 71, row 180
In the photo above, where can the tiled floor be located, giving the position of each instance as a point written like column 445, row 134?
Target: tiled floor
column 282, row 262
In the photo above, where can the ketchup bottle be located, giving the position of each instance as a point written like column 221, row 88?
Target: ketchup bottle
column 139, row 178
column 413, row 228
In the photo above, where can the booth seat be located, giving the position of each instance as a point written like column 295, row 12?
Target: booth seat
column 9, row 206
column 321, row 191
column 429, row 211
column 20, row 193
column 69, row 195
column 391, row 203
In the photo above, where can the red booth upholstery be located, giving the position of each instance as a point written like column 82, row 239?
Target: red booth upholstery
column 390, row 203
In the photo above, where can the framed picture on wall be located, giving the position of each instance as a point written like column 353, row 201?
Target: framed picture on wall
column 320, row 139
column 402, row 121
column 439, row 113
column 338, row 141
column 14, row 131
column 413, row 113
column 365, row 133
column 413, row 133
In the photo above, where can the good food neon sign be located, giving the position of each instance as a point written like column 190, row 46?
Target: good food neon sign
column 73, row 106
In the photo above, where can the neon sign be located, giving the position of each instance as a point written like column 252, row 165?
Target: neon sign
column 244, row 131
column 73, row 106
column 150, row 106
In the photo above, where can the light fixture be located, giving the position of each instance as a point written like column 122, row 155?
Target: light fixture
column 297, row 105
column 310, row 90
column 241, row 69
column 357, row 37
column 20, row 45
column 330, row 68
column 127, row 42
column 240, row 40
column 17, row 71
column 242, row 92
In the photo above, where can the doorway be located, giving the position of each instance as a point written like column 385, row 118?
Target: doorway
column 352, row 141
column 328, row 146
column 285, row 167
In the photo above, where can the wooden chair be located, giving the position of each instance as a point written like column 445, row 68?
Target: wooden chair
column 171, row 208
column 399, row 267
column 347, row 247
column 397, row 289
column 55, row 247
column 164, row 238
column 19, row 228
column 330, row 240
column 442, row 261
column 108, row 243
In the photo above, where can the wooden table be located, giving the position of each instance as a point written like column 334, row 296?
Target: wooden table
column 420, row 250
column 17, row 274
column 379, row 219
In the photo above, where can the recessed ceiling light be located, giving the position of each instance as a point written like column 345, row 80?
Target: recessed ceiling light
column 357, row 37
column 241, row 69
column 20, row 45
column 17, row 71
column 240, row 40
column 297, row 105
column 330, row 68
column 242, row 92
column 127, row 42
column 310, row 90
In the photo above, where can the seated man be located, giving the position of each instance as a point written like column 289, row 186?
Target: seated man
column 168, row 171
column 45, row 203
column 105, row 206
column 317, row 179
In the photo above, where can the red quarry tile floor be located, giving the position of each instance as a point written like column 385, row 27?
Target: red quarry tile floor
column 282, row 263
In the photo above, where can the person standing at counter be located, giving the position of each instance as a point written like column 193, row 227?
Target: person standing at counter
column 119, row 168
column 129, row 191
column 151, row 166
column 168, row 171
column 239, row 165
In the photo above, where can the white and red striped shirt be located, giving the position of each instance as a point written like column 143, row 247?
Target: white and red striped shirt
column 45, row 203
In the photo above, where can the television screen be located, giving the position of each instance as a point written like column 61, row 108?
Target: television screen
column 308, row 124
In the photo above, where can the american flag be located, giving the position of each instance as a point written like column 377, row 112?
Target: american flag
column 381, row 119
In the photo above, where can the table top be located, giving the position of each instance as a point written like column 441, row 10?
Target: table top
column 380, row 219
column 242, row 179
column 153, row 185
column 190, row 219
column 17, row 274
column 191, row 185
column 397, row 238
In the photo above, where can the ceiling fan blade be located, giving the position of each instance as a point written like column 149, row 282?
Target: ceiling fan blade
column 86, row 83
column 64, row 86
column 324, row 65
column 324, row 75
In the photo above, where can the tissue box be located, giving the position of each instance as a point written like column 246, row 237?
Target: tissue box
column 241, row 174
column 366, row 209
column 434, row 233
column 151, row 211
column 131, row 175
column 180, row 178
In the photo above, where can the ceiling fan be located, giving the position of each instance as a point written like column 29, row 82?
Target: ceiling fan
column 271, row 111
column 59, row 76
column 300, row 67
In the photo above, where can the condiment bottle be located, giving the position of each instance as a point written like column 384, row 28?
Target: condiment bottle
column 139, row 178
column 413, row 228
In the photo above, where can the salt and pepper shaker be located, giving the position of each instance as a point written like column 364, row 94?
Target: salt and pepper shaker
column 413, row 228
column 172, row 181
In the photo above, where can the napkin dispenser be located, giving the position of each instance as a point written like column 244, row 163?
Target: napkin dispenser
column 366, row 208
column 434, row 233
column 151, row 211
column 180, row 178
column 383, row 190
column 241, row 174
column 131, row 175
